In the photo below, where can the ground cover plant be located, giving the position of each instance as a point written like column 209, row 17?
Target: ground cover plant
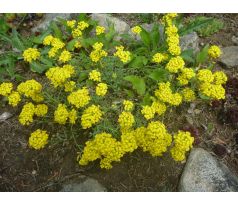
column 115, row 92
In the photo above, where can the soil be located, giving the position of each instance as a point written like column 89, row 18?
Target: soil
column 23, row 169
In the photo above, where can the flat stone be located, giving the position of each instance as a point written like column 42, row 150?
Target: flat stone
column 105, row 20
column 88, row 185
column 204, row 173
column 4, row 116
column 190, row 41
column 48, row 18
column 229, row 56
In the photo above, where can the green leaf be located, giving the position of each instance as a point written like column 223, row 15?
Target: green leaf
column 138, row 83
column 82, row 17
column 38, row 68
column 188, row 55
column 202, row 56
column 70, row 45
column 110, row 34
column 203, row 97
column 145, row 37
column 159, row 75
column 155, row 36
column 39, row 39
column 3, row 26
column 138, row 62
column 56, row 30
column 147, row 99
column 16, row 41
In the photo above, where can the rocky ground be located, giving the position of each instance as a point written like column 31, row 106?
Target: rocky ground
column 215, row 129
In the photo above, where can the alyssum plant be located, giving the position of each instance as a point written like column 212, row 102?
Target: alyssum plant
column 118, row 89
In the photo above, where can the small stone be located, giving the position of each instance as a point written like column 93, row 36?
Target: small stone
column 190, row 41
column 220, row 150
column 204, row 173
column 229, row 56
column 88, row 185
column 235, row 40
column 105, row 20
column 4, row 116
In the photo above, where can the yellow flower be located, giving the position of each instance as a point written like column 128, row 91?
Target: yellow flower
column 159, row 57
column 128, row 105
column 214, row 51
column 61, row 114
column 27, row 113
column 101, row 89
column 52, row 52
column 136, row 29
column 78, row 45
column 47, row 40
column 14, row 98
column 65, row 56
column 185, row 75
column 205, row 75
column 128, row 142
column 71, row 24
column 126, row 120
column 97, row 46
column 79, row 98
column 69, row 86
column 100, row 30
column 148, row 112
column 38, row 139
column 6, row 89
column 175, row 64
column 219, row 77
column 82, row 25
column 159, row 107
column 73, row 116
column 41, row 110
column 188, row 95
column 77, row 33
column 91, row 116
column 125, row 56
column 31, row 54
column 57, row 43
column 97, row 52
column 95, row 76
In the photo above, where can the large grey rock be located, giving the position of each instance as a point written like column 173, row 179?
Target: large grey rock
column 105, row 19
column 88, row 185
column 229, row 56
column 47, row 20
column 203, row 173
column 190, row 41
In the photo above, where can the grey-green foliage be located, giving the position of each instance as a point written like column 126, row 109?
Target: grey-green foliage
column 214, row 26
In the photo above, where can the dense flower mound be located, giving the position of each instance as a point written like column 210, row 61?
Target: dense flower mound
column 116, row 92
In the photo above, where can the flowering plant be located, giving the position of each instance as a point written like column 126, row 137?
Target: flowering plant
column 117, row 90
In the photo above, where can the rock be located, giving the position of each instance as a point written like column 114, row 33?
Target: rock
column 48, row 18
column 88, row 185
column 4, row 116
column 234, row 39
column 229, row 56
column 105, row 20
column 190, row 41
column 203, row 173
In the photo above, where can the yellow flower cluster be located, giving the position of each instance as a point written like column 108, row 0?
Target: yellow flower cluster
column 59, row 75
column 125, row 56
column 101, row 89
column 188, row 95
column 78, row 45
column 95, row 76
column 61, row 115
column 14, row 98
column 31, row 54
column 211, row 84
column 159, row 57
column 214, row 51
column 154, row 139
column 73, row 116
column 38, row 139
column 175, row 64
column 47, row 40
column 185, row 75
column 97, row 52
column 136, row 29
column 29, row 110
column 150, row 111
column 79, row 98
column 168, row 18
column 103, row 147
column 77, row 32
column 69, row 86
column 6, row 89
column 65, row 56
column 182, row 143
column 71, row 23
column 128, row 105
column 91, row 116
column 32, row 89
column 173, row 40
column 126, row 120
column 100, row 30
column 164, row 93
column 56, row 44
column 128, row 142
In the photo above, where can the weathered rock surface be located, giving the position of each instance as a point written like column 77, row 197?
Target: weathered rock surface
column 229, row 56
column 235, row 40
column 105, row 20
column 203, row 173
column 88, row 185
column 48, row 18
column 190, row 41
